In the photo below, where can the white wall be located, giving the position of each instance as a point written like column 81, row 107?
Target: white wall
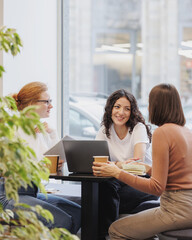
column 36, row 23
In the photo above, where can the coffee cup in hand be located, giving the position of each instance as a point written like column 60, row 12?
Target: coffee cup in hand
column 102, row 159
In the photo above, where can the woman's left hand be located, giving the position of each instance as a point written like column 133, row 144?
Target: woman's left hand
column 133, row 160
column 108, row 169
column 60, row 164
column 47, row 128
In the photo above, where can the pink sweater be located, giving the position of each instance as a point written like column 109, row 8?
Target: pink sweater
column 172, row 162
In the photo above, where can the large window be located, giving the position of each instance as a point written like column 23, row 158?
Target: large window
column 104, row 50
column 129, row 44
column 103, row 45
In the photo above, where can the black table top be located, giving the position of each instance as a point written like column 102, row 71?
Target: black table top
column 79, row 177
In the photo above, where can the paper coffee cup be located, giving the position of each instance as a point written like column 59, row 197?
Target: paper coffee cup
column 101, row 158
column 53, row 167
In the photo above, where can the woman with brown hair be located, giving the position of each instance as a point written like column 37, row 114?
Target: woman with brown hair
column 36, row 94
column 171, row 171
column 128, row 136
column 66, row 213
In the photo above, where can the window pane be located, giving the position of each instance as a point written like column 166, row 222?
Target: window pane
column 103, row 45
column 104, row 42
column 130, row 44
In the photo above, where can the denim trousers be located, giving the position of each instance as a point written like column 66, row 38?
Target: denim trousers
column 174, row 213
column 67, row 214
column 116, row 197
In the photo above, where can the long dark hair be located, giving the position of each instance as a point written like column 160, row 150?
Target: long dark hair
column 135, row 116
column 165, row 105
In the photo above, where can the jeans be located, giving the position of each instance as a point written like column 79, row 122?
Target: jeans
column 67, row 214
column 69, row 208
column 115, row 197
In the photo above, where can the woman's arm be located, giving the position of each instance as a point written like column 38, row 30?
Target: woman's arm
column 139, row 142
column 139, row 153
column 52, row 136
column 140, row 150
column 160, row 166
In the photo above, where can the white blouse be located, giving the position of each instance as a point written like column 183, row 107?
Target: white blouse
column 123, row 149
column 41, row 143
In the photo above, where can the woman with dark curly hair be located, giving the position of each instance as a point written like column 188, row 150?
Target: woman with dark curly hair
column 124, row 125
column 128, row 137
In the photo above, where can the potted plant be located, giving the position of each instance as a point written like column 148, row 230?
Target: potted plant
column 17, row 169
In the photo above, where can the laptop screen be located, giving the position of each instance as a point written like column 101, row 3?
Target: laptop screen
column 79, row 154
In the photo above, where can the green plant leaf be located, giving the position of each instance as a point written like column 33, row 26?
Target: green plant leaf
column 1, row 70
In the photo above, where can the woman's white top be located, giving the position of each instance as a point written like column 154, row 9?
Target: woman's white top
column 123, row 149
column 41, row 143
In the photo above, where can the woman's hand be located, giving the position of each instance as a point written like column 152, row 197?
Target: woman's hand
column 47, row 128
column 132, row 160
column 119, row 164
column 60, row 164
column 139, row 161
column 108, row 169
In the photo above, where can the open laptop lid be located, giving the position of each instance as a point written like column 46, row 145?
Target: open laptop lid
column 58, row 148
column 79, row 154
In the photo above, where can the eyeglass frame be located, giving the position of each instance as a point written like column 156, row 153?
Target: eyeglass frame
column 48, row 102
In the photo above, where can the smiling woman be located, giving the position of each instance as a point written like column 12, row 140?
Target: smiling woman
column 128, row 136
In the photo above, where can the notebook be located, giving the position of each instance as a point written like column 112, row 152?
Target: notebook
column 134, row 168
column 79, row 154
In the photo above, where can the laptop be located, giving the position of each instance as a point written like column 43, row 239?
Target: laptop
column 58, row 149
column 79, row 154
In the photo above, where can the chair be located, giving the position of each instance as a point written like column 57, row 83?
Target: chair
column 146, row 205
column 143, row 206
column 183, row 234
